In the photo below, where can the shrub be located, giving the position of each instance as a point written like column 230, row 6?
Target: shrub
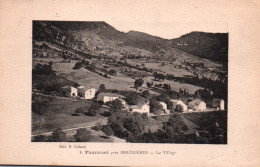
column 179, row 108
column 146, row 93
column 58, row 136
column 43, row 70
column 79, row 111
column 102, row 88
column 78, row 65
column 82, row 135
column 138, row 83
column 132, row 98
column 108, row 130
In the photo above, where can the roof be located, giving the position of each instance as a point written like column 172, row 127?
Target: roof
column 85, row 89
column 217, row 100
column 110, row 95
column 195, row 102
column 134, row 107
column 175, row 100
column 162, row 103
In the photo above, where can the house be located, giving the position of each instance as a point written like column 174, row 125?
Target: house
column 123, row 102
column 176, row 102
column 218, row 103
column 87, row 93
column 197, row 105
column 69, row 91
column 140, row 108
column 106, row 97
column 164, row 105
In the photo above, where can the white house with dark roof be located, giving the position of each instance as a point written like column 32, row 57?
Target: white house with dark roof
column 140, row 108
column 87, row 93
column 197, row 105
column 69, row 91
column 106, row 97
column 176, row 102
column 164, row 105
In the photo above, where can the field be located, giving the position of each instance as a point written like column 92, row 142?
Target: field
column 91, row 79
column 50, row 113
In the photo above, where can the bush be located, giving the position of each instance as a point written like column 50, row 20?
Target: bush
column 82, row 135
column 58, row 136
column 102, row 88
column 43, row 70
column 79, row 111
column 179, row 108
column 92, row 112
column 138, row 83
column 132, row 98
column 108, row 130
column 146, row 93
column 78, row 65
column 112, row 72
column 155, row 107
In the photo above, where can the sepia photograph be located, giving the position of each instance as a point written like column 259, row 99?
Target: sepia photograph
column 93, row 82
column 130, row 83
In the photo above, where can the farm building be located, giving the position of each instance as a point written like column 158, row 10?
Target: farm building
column 106, row 97
column 141, row 108
column 164, row 105
column 69, row 91
column 218, row 103
column 197, row 105
column 179, row 102
column 87, row 93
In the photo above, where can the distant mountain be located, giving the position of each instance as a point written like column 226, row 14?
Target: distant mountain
column 101, row 37
column 212, row 46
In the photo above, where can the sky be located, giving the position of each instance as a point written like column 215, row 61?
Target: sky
column 166, row 19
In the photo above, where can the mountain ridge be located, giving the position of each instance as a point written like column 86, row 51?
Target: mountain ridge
column 212, row 46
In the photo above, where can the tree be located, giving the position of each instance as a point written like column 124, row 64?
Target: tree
column 79, row 110
column 155, row 106
column 148, row 84
column 108, row 130
column 112, row 72
column 93, row 109
column 58, row 136
column 115, row 106
column 132, row 98
column 92, row 112
column 176, row 123
column 138, row 83
column 82, row 135
column 102, row 88
column 78, row 65
column 146, row 93
column 44, row 69
column 179, row 108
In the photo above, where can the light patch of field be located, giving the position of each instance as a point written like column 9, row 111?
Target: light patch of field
column 168, row 69
column 91, row 79
column 174, row 85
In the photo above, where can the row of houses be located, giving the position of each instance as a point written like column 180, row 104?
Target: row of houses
column 141, row 107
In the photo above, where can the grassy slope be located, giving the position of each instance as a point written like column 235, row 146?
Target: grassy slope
column 56, row 113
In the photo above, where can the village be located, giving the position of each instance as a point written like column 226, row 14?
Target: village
column 193, row 105
column 88, row 88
